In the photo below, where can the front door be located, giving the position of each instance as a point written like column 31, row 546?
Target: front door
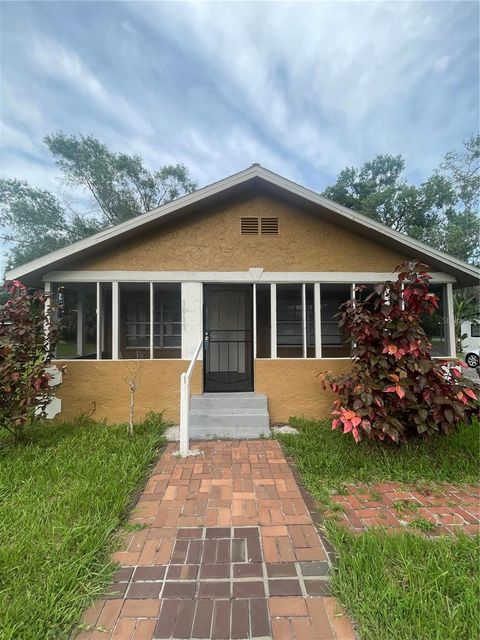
column 228, row 337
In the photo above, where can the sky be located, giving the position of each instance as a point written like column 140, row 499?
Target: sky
column 304, row 88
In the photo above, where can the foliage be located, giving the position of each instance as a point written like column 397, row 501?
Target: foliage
column 120, row 185
column 442, row 211
column 63, row 494
column 327, row 460
column 395, row 389
column 405, row 585
column 27, row 336
column 36, row 222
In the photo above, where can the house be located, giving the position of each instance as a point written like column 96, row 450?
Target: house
column 248, row 271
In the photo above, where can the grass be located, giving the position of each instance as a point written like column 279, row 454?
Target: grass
column 328, row 459
column 405, row 586
column 63, row 494
column 397, row 586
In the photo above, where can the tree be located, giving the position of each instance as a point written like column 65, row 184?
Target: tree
column 395, row 389
column 120, row 185
column 27, row 338
column 36, row 222
column 442, row 211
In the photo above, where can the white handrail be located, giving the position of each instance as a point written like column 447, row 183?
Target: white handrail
column 185, row 402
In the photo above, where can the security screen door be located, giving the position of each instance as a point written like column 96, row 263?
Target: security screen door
column 228, row 337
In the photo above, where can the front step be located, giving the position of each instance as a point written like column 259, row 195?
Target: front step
column 228, row 415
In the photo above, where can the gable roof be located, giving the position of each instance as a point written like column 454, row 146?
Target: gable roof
column 254, row 176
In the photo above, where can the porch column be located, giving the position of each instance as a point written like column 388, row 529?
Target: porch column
column 273, row 320
column 115, row 319
column 452, row 347
column 304, row 320
column 254, row 324
column 48, row 311
column 317, row 303
column 151, row 320
column 192, row 318
column 81, row 323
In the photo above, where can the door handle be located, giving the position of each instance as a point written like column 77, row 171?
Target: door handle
column 206, row 336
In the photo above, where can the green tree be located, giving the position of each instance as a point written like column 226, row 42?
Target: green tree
column 442, row 211
column 35, row 222
column 120, row 185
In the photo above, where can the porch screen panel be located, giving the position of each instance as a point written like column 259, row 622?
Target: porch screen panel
column 310, row 313
column 167, row 321
column 335, row 340
column 77, row 320
column 134, row 330
column 289, row 321
column 436, row 325
column 263, row 321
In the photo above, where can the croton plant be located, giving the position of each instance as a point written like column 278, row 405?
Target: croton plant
column 27, row 336
column 395, row 389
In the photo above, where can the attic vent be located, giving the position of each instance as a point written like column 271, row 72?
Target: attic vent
column 249, row 226
column 269, row 226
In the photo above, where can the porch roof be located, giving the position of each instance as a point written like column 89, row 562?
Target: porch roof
column 251, row 179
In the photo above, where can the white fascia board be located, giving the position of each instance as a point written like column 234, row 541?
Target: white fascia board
column 235, row 180
column 231, row 276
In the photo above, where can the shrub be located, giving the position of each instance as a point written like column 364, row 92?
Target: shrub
column 395, row 388
column 27, row 337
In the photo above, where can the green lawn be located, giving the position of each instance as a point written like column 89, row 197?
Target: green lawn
column 63, row 494
column 397, row 586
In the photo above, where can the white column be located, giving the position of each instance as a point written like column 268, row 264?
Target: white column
column 151, row 319
column 452, row 349
column 254, row 321
column 273, row 320
column 81, row 323
column 115, row 319
column 192, row 318
column 304, row 320
column 48, row 312
column 99, row 321
column 317, row 303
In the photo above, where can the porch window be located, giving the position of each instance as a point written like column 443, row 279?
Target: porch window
column 263, row 320
column 436, row 325
column 295, row 321
column 77, row 321
column 335, row 339
column 134, row 331
column 167, row 321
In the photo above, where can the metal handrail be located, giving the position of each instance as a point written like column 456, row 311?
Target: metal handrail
column 185, row 402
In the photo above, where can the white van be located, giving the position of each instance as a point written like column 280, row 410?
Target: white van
column 471, row 344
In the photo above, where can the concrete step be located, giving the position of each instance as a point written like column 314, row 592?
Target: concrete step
column 229, row 415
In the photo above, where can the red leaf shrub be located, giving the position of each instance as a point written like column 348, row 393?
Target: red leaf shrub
column 27, row 337
column 395, row 389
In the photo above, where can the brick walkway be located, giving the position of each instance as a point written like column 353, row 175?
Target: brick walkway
column 229, row 550
column 398, row 507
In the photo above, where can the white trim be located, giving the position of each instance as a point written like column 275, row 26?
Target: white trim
column 254, row 320
column 317, row 314
column 47, row 311
column 304, row 321
column 151, row 319
column 256, row 173
column 115, row 319
column 273, row 321
column 345, row 277
column 450, row 320
column 99, row 326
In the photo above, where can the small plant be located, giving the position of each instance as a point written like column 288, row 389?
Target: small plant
column 395, row 389
column 133, row 379
column 406, row 505
column 376, row 496
column 422, row 524
column 27, row 339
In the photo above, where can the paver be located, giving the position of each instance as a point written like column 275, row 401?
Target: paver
column 228, row 551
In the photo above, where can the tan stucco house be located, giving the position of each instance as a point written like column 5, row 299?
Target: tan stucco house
column 250, row 272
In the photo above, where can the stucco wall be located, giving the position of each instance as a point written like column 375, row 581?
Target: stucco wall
column 292, row 387
column 212, row 242
column 103, row 383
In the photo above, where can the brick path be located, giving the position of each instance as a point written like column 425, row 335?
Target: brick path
column 229, row 550
column 449, row 509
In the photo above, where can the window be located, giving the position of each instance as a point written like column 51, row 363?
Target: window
column 435, row 325
column 167, row 321
column 475, row 330
column 335, row 340
column 263, row 322
column 77, row 317
column 289, row 321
